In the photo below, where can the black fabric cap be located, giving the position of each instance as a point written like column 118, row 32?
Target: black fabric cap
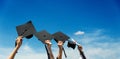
column 26, row 30
column 71, row 45
column 59, row 36
column 43, row 35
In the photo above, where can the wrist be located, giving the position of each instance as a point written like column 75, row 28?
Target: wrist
column 49, row 45
column 60, row 46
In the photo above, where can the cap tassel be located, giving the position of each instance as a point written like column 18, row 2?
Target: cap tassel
column 47, row 52
column 64, row 52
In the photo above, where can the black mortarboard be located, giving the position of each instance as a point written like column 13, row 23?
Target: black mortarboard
column 26, row 30
column 59, row 36
column 43, row 35
column 71, row 45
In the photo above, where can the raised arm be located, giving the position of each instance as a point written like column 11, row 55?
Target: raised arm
column 60, row 43
column 49, row 49
column 81, row 52
column 19, row 43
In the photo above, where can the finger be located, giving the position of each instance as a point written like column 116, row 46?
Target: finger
column 19, row 37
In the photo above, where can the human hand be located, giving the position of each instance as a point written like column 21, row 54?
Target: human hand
column 48, row 43
column 80, row 47
column 19, row 41
column 60, row 43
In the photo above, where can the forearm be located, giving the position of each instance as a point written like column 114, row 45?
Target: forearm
column 12, row 55
column 60, row 53
column 51, row 54
column 80, row 51
column 82, row 54
column 50, row 51
column 18, row 44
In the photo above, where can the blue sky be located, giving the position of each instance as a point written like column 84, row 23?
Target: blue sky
column 97, row 18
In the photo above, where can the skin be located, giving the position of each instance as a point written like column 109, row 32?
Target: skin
column 80, row 48
column 81, row 52
column 60, row 43
column 19, row 43
column 49, row 48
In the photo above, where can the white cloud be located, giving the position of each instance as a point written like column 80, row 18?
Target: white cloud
column 4, row 52
column 108, row 52
column 96, row 45
column 79, row 33
column 26, row 52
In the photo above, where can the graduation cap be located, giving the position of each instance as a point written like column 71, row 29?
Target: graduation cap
column 43, row 35
column 71, row 44
column 59, row 36
column 26, row 30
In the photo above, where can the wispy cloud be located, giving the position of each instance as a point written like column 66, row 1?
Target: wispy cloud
column 96, row 45
column 79, row 33
column 27, row 52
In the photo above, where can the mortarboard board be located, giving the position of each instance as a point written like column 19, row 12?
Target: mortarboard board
column 43, row 35
column 59, row 36
column 26, row 30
